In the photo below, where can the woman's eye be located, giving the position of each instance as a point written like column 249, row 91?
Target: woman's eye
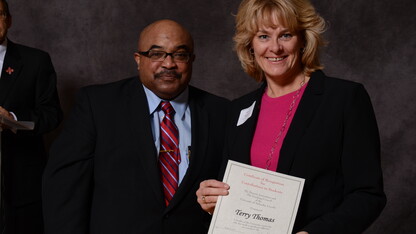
column 263, row 37
column 286, row 36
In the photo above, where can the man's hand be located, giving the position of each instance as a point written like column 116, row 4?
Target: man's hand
column 6, row 114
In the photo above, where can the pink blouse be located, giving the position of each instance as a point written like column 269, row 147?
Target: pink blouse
column 272, row 115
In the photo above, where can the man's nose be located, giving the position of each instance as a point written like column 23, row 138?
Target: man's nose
column 168, row 62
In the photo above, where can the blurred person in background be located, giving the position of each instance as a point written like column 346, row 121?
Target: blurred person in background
column 27, row 93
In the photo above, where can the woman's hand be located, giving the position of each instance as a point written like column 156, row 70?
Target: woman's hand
column 208, row 192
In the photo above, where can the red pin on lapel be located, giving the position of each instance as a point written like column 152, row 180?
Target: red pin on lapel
column 9, row 70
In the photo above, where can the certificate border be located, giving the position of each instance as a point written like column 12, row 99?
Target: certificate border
column 232, row 164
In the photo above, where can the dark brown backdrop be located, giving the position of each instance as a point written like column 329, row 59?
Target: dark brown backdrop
column 371, row 41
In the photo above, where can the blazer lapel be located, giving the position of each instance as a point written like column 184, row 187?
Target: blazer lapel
column 10, row 72
column 141, row 132
column 308, row 105
column 244, row 133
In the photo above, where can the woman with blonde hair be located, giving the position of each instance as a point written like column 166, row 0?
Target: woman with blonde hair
column 303, row 123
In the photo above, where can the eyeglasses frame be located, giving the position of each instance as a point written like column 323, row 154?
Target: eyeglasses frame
column 146, row 54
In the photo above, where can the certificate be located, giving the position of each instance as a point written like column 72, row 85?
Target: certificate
column 16, row 125
column 259, row 201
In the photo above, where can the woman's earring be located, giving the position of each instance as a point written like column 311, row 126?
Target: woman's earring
column 302, row 50
column 251, row 51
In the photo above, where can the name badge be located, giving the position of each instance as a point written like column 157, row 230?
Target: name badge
column 245, row 114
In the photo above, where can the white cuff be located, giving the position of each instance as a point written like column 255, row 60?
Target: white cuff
column 14, row 116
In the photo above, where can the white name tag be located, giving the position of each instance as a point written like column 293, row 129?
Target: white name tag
column 245, row 114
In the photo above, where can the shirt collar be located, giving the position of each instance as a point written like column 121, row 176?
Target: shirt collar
column 180, row 103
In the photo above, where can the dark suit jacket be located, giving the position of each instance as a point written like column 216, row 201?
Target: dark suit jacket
column 332, row 143
column 103, row 176
column 28, row 89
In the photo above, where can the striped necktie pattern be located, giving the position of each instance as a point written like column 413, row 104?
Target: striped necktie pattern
column 169, row 155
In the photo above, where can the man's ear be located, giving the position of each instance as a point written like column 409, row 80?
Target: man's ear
column 137, row 58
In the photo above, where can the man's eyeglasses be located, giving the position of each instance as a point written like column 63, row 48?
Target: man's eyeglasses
column 159, row 56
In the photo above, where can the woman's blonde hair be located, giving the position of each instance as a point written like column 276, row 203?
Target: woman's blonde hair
column 297, row 15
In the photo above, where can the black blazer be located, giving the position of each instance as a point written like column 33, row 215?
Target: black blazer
column 103, row 176
column 28, row 89
column 333, row 143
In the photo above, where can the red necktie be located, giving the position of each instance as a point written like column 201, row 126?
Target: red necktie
column 169, row 156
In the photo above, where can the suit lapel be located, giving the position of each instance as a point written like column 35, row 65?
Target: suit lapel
column 141, row 132
column 10, row 72
column 306, row 110
column 200, row 131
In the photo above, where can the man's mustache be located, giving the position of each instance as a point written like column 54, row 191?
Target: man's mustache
column 169, row 73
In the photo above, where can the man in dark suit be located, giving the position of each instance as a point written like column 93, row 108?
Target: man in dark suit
column 27, row 93
column 104, row 174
